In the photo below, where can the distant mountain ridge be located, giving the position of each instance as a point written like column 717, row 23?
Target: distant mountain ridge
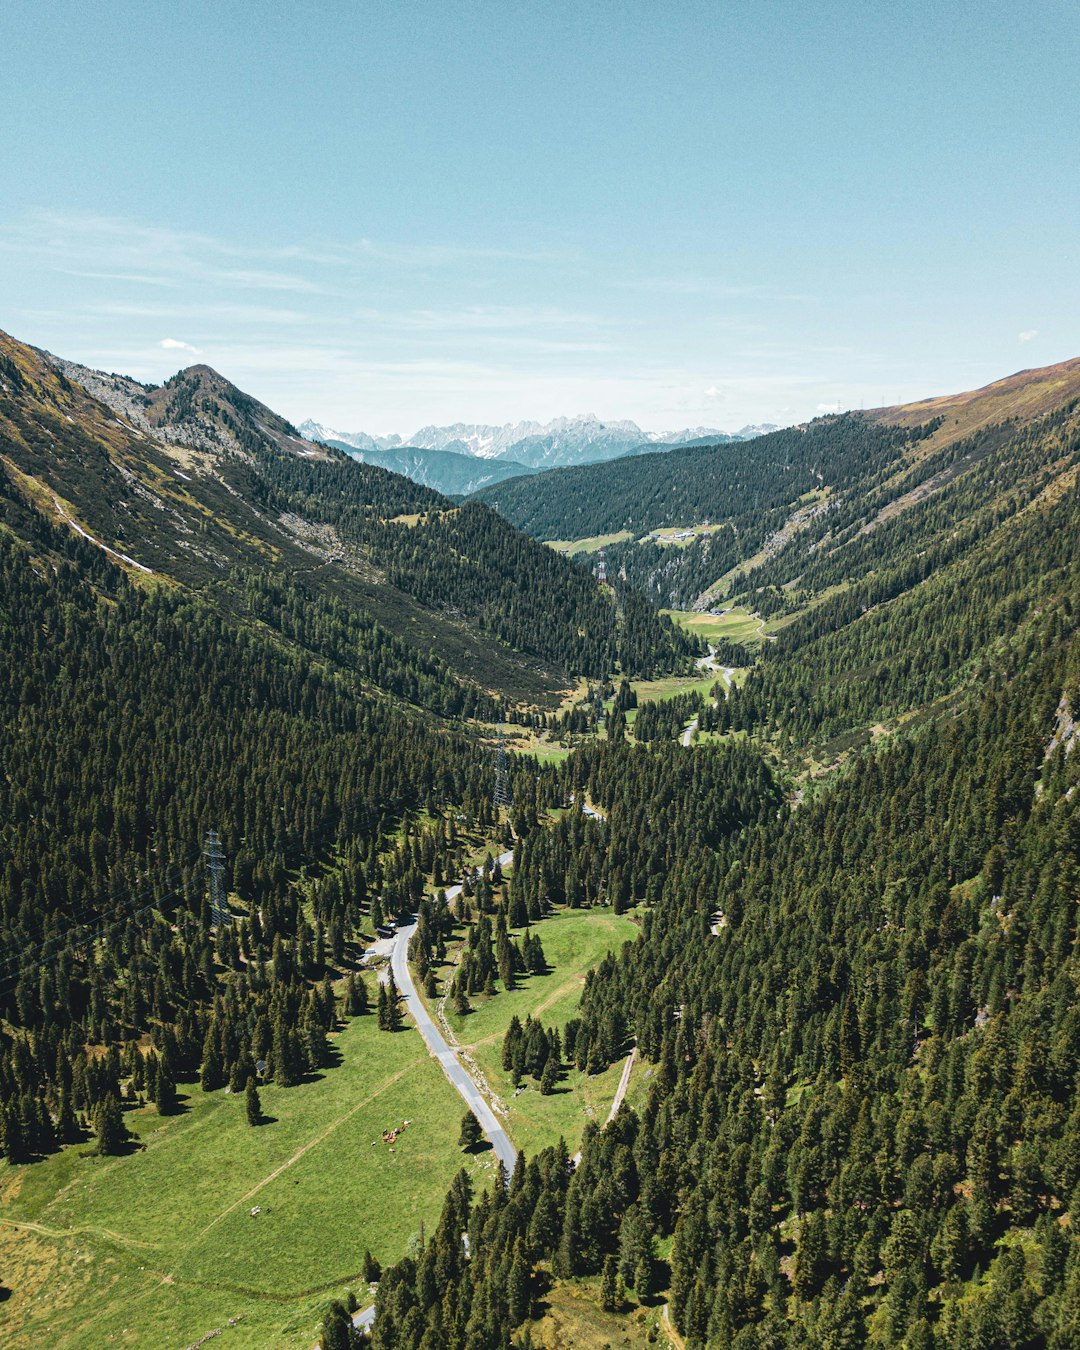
column 560, row 443
column 444, row 470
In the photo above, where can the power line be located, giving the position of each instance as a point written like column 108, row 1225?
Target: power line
column 77, row 935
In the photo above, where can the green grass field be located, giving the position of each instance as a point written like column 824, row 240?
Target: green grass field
column 652, row 691
column 737, row 624
column 678, row 536
column 574, row 941
column 159, row 1248
column 592, row 544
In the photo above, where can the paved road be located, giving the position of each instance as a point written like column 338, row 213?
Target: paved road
column 437, row 1044
column 726, row 672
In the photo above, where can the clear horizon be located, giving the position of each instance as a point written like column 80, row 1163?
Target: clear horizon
column 386, row 218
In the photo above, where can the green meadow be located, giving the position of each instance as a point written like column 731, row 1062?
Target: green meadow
column 160, row 1247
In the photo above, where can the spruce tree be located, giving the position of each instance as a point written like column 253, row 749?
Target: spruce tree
column 471, row 1133
column 109, row 1126
column 252, row 1103
column 608, row 1282
column 166, row 1090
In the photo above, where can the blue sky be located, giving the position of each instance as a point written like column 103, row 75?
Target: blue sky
column 383, row 215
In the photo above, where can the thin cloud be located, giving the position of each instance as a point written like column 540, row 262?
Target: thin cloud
column 1027, row 335
column 175, row 345
column 442, row 255
column 105, row 248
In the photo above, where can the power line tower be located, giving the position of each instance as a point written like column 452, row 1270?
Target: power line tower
column 601, row 568
column 502, row 795
column 215, row 871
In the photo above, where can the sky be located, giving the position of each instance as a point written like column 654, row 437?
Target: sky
column 384, row 215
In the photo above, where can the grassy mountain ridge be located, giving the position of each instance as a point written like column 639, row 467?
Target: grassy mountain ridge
column 1019, row 398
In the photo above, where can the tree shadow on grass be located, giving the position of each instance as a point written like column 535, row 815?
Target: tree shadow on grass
column 475, row 1150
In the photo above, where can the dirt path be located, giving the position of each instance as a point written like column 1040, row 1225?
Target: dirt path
column 669, row 1330
column 624, row 1083
column 109, row 1234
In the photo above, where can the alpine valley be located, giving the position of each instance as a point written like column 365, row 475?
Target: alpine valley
column 701, row 822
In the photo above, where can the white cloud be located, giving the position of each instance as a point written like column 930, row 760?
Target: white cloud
column 828, row 407
column 175, row 345
column 1027, row 334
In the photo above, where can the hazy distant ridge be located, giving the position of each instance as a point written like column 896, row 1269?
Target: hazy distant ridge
column 556, row 444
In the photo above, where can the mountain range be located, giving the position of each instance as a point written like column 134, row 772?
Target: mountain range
column 512, row 449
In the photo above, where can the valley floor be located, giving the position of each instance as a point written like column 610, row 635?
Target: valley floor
column 161, row 1247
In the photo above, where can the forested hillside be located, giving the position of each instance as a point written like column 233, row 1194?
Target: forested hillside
column 854, row 993
column 742, row 481
column 134, row 722
column 863, row 1124
column 893, row 609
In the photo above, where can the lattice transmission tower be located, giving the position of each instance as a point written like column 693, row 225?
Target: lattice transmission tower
column 215, row 871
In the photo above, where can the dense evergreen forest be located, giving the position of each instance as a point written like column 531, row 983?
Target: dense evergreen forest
column 863, row 1124
column 903, row 611
column 744, row 481
column 861, row 1008
column 227, row 498
column 135, row 721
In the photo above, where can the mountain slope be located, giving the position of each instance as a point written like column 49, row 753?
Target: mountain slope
column 736, row 481
column 201, row 484
column 859, row 1123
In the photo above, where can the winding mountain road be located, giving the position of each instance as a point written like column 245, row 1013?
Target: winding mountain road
column 725, row 672
column 448, row 1059
column 437, row 1044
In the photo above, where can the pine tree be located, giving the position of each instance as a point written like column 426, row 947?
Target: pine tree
column 471, row 1133
column 608, row 1282
column 166, row 1090
column 337, row 1330
column 356, row 995
column 643, row 1278
column 252, row 1103
column 109, row 1126
column 518, row 1292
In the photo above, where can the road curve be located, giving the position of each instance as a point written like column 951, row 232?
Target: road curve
column 437, row 1044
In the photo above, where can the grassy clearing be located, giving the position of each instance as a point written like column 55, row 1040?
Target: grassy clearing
column 525, row 743
column 738, row 624
column 574, row 941
column 159, row 1248
column 679, row 536
column 573, row 1317
column 653, row 691
column 593, row 544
